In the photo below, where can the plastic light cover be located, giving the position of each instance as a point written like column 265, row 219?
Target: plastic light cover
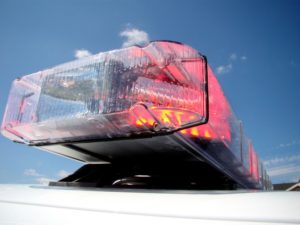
column 149, row 90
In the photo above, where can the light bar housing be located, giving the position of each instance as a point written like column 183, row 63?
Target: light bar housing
column 130, row 92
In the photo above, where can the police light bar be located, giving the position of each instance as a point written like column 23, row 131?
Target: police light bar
column 136, row 91
column 134, row 106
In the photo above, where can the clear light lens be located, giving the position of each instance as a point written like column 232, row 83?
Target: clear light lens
column 121, row 93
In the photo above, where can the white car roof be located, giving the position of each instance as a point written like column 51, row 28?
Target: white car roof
column 21, row 204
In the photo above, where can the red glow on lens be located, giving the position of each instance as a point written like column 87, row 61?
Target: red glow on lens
column 253, row 163
column 218, row 126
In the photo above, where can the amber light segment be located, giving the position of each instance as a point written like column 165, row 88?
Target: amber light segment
column 168, row 117
column 204, row 131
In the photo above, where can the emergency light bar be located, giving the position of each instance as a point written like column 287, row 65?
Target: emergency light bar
column 134, row 106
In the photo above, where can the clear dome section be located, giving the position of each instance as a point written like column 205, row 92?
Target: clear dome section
column 121, row 93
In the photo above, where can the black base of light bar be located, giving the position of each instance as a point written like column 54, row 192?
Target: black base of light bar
column 183, row 176
column 170, row 157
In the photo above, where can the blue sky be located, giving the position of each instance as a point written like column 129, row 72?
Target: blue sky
column 253, row 47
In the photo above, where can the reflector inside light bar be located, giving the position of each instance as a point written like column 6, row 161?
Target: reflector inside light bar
column 122, row 93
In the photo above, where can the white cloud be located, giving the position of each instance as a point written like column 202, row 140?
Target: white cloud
column 224, row 68
column 296, row 179
column 38, row 178
column 81, row 53
column 287, row 167
column 233, row 57
column 243, row 58
column 281, row 160
column 31, row 173
column 63, row 173
column 284, row 170
column 134, row 36
column 285, row 145
column 43, row 180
